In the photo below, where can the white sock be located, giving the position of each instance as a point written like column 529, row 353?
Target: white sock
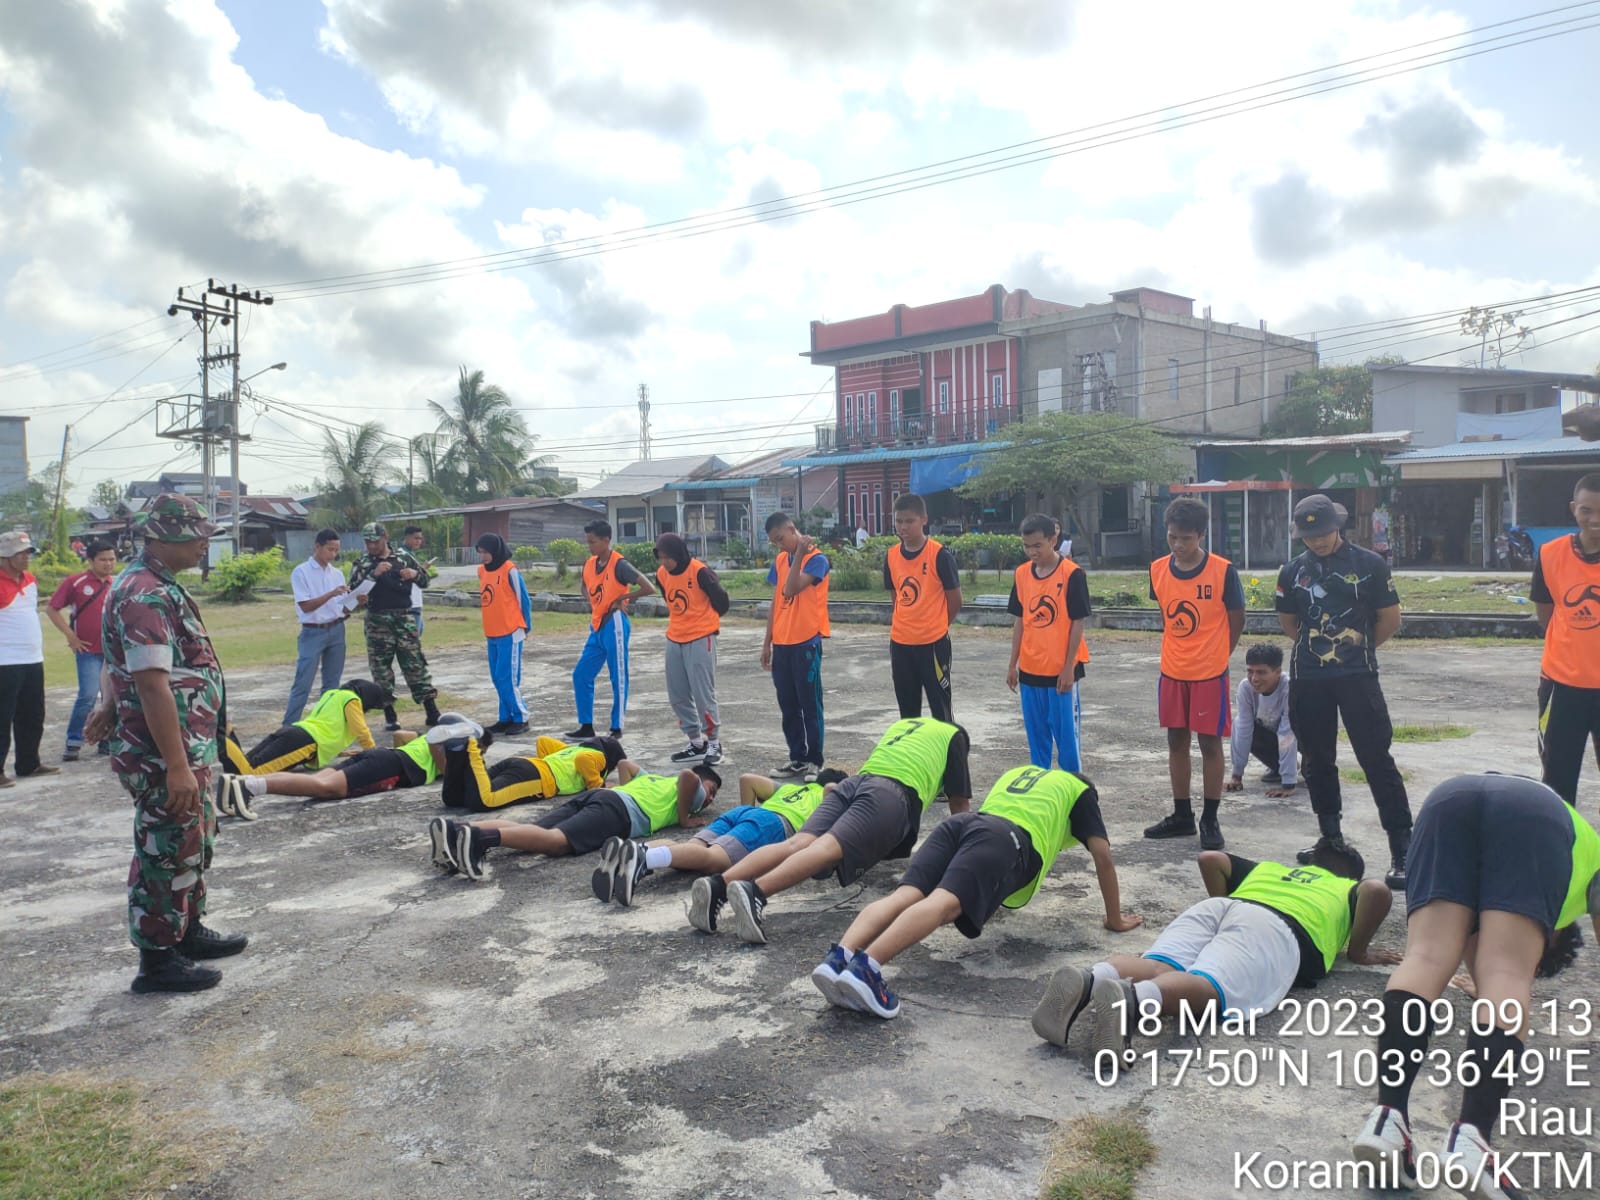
column 1148, row 994
column 1103, row 970
column 656, row 857
column 874, row 964
column 256, row 785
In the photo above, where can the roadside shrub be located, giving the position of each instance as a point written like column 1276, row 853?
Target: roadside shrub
column 236, row 579
column 738, row 551
column 641, row 554
column 524, row 556
column 966, row 549
column 564, row 552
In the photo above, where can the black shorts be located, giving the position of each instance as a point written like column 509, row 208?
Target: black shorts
column 872, row 817
column 380, row 770
column 283, row 751
column 979, row 857
column 589, row 818
column 1494, row 843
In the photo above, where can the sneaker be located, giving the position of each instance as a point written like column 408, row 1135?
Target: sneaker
column 390, row 721
column 586, row 730
column 1336, row 842
column 41, row 769
column 826, row 976
column 199, row 942
column 1396, row 878
column 694, row 752
column 869, row 989
column 630, row 870
column 713, row 753
column 791, row 769
column 445, row 732
column 515, row 728
column 614, row 732
column 603, row 881
column 1114, row 1007
column 1172, row 825
column 1065, row 996
column 70, row 754
column 1470, row 1165
column 6, row 780
column 439, row 833
column 1385, row 1142
column 497, row 727
column 707, row 895
column 1210, row 834
column 239, row 797
column 1272, row 778
column 749, row 907
column 467, row 853
column 222, row 795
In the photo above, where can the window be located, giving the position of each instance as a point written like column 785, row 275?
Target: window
column 997, row 391
column 877, row 508
column 1097, row 375
column 894, row 411
column 1172, row 381
column 872, row 414
column 1115, row 507
column 944, row 397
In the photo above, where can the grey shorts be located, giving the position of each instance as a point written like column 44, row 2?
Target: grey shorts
column 872, row 818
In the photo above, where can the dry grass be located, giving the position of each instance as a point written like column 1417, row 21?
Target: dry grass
column 1098, row 1158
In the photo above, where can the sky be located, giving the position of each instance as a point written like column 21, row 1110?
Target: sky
column 146, row 146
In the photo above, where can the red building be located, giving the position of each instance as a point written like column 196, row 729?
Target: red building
column 915, row 390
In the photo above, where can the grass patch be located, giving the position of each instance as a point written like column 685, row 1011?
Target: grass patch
column 1430, row 733
column 1358, row 777
column 69, row 1137
column 1098, row 1158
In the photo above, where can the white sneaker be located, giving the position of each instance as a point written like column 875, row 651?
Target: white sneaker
column 1470, row 1166
column 241, row 798
column 713, row 753
column 1114, row 1014
column 1385, row 1142
column 222, row 795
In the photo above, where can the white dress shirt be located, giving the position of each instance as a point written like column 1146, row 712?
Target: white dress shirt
column 310, row 580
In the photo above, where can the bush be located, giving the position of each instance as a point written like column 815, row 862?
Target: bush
column 525, row 556
column 966, row 549
column 238, row 577
column 642, row 555
column 854, row 576
column 738, row 551
column 564, row 552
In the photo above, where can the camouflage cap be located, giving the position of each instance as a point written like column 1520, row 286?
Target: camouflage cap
column 372, row 531
column 173, row 518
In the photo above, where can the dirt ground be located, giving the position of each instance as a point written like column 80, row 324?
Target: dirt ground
column 392, row 1031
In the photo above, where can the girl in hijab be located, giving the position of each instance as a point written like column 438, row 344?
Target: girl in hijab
column 507, row 617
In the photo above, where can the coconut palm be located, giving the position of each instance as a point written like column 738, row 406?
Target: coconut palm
column 487, row 447
column 356, row 460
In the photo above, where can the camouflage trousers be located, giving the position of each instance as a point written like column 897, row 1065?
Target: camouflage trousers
column 393, row 635
column 166, row 883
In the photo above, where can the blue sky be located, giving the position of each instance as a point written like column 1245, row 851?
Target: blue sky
column 144, row 145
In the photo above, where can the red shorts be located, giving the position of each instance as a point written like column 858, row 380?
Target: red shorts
column 1200, row 705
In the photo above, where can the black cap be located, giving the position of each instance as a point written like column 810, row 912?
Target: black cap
column 1316, row 515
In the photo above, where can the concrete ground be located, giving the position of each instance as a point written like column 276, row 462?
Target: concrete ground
column 395, row 1032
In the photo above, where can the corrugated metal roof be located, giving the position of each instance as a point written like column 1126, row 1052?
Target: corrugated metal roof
column 891, row 454
column 1492, row 376
column 1511, row 448
column 711, row 485
column 652, row 475
column 1393, row 437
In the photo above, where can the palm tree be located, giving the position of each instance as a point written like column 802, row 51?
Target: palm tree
column 355, row 461
column 487, row 447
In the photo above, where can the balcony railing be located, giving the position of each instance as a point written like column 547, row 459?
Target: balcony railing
column 935, row 429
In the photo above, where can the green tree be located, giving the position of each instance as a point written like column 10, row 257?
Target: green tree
column 564, row 552
column 1074, row 455
column 356, row 461
column 107, row 494
column 1323, row 401
column 486, row 449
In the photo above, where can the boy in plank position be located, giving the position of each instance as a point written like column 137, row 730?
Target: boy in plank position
column 1265, row 928
column 637, row 807
column 869, row 817
column 966, row 869
column 1202, row 613
column 766, row 814
column 337, row 719
column 553, row 769
column 1049, row 605
column 415, row 761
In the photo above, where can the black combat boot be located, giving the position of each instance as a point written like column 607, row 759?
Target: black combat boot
column 431, row 710
column 170, row 971
column 390, row 721
column 200, row 942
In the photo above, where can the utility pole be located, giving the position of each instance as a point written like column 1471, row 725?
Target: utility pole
column 235, row 298
column 203, row 312
column 644, row 421
column 55, row 509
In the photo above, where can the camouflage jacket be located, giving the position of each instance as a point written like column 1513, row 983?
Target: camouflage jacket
column 152, row 623
column 389, row 591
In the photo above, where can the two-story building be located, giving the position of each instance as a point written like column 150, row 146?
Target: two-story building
column 1487, row 452
column 920, row 390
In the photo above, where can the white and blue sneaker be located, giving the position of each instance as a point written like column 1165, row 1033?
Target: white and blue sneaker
column 866, row 982
column 629, row 870
column 825, row 975
column 604, row 877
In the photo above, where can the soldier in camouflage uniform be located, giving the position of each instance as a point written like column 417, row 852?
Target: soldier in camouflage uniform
column 391, row 629
column 162, row 704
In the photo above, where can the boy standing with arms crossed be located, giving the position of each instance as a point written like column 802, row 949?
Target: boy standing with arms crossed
column 792, row 649
column 921, row 576
column 1049, row 605
column 1202, row 614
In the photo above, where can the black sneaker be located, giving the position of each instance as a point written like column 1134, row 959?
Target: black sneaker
column 791, row 769
column 170, row 971
column 70, row 754
column 440, row 831
column 390, row 721
column 200, row 942
column 515, row 729
column 1325, row 842
column 713, row 753
column 630, row 870
column 748, row 905
column 707, row 896
column 497, row 727
column 1211, row 834
column 1065, row 996
column 614, row 732
column 1396, row 878
column 603, row 881
column 468, row 853
column 694, row 752
column 1172, row 825
column 222, row 795
column 585, row 730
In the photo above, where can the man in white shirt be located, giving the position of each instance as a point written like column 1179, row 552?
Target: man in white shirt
column 861, row 533
column 1261, row 722
column 412, row 540
column 21, row 659
column 319, row 590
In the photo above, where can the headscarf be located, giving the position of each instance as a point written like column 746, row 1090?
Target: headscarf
column 495, row 547
column 609, row 746
column 672, row 546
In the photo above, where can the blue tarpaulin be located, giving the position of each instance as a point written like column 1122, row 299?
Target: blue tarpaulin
column 939, row 474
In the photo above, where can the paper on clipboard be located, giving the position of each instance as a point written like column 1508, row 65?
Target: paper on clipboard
column 351, row 598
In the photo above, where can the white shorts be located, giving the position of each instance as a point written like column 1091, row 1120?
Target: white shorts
column 1245, row 951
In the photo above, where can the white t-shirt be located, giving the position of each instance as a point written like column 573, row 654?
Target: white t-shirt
column 310, row 580
column 21, row 635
